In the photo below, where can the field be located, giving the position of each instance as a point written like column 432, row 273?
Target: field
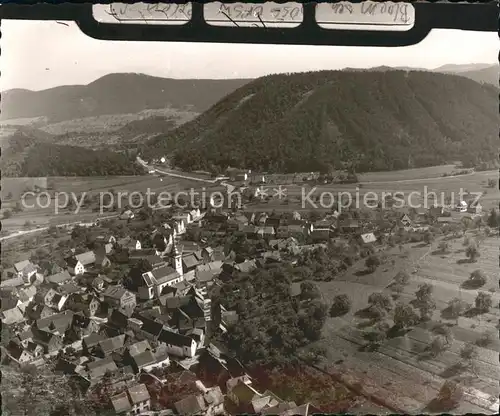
column 76, row 187
column 408, row 174
column 399, row 364
column 442, row 187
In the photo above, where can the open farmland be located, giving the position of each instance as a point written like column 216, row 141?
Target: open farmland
column 43, row 212
column 400, row 363
column 419, row 190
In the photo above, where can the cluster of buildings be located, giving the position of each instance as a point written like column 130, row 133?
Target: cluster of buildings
column 160, row 316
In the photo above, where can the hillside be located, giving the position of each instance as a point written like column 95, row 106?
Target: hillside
column 116, row 94
column 31, row 153
column 376, row 120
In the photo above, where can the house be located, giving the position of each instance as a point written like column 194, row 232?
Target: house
column 405, row 220
column 119, row 297
column 91, row 341
column 129, row 243
column 64, row 276
column 98, row 368
column 127, row 215
column 106, row 346
column 23, row 355
column 75, row 267
column 190, row 262
column 153, row 282
column 349, row 226
column 265, row 232
column 26, row 269
column 242, row 394
column 50, row 341
column 55, row 300
column 86, row 303
column 26, row 295
column 12, row 316
column 320, row 235
column 57, row 324
column 82, row 326
column 177, row 344
column 368, row 238
column 134, row 401
column 475, row 208
column 192, row 405
column 147, row 361
column 12, row 283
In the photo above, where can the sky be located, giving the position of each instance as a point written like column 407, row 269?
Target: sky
column 38, row 55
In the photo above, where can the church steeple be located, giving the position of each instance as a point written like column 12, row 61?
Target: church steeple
column 177, row 257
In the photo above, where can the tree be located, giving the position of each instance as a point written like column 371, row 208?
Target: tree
column 428, row 237
column 372, row 262
column 27, row 224
column 17, row 207
column 483, row 302
column 472, row 251
column 485, row 339
column 478, row 277
column 450, row 394
column 492, row 220
column 341, row 305
column 443, row 247
column 456, row 307
column 404, row 316
column 402, row 278
column 424, row 301
column 7, row 214
column 380, row 300
column 308, row 290
column 438, row 346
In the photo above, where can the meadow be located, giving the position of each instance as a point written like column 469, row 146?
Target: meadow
column 400, row 363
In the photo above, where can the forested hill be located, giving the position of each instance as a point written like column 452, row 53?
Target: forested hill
column 29, row 152
column 116, row 94
column 376, row 120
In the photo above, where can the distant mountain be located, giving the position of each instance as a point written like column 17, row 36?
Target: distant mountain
column 376, row 120
column 482, row 73
column 116, row 94
column 31, row 153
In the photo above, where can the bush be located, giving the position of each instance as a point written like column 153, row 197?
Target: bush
column 402, row 278
column 404, row 316
column 478, row 277
column 7, row 214
column 438, row 346
column 443, row 247
column 380, row 300
column 483, row 302
column 340, row 306
column 372, row 262
column 485, row 339
column 451, row 393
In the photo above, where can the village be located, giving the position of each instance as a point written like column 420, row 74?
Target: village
column 124, row 306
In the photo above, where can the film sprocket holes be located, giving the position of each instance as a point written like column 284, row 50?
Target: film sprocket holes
column 324, row 186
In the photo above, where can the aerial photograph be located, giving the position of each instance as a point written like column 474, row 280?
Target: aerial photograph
column 225, row 229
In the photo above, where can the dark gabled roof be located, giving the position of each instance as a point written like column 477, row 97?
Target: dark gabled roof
column 59, row 277
column 164, row 273
column 173, row 338
column 190, row 405
column 92, row 340
column 61, row 321
column 150, row 326
column 98, row 368
column 115, row 292
column 118, row 318
column 144, row 358
column 177, row 301
column 190, row 261
column 138, row 393
column 112, row 344
column 121, row 403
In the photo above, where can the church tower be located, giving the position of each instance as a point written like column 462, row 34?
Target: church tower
column 177, row 258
